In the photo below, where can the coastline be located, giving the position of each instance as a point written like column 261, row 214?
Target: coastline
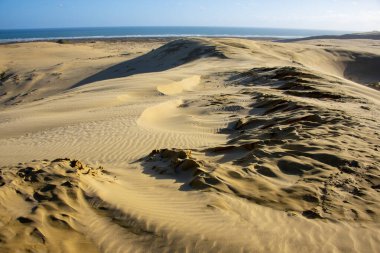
column 105, row 33
column 138, row 38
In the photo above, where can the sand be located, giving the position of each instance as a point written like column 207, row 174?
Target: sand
column 194, row 145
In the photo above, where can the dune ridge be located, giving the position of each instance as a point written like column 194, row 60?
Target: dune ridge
column 277, row 159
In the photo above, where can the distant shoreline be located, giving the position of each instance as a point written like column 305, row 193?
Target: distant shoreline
column 107, row 33
column 137, row 38
column 352, row 36
column 163, row 38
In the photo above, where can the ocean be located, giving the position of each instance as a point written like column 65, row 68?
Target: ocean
column 172, row 31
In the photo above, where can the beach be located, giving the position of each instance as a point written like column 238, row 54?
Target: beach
column 190, row 145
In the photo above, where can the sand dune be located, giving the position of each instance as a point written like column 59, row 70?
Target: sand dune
column 375, row 35
column 275, row 157
column 200, row 145
column 168, row 56
column 59, row 66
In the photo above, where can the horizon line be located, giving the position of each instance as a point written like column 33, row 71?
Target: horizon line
column 184, row 26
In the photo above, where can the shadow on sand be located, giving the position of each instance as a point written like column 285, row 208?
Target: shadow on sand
column 170, row 55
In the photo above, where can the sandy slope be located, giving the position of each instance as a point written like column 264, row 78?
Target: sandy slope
column 208, row 145
column 33, row 71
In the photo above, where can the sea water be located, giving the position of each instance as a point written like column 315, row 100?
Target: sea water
column 170, row 31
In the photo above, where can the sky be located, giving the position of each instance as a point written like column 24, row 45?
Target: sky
column 344, row 15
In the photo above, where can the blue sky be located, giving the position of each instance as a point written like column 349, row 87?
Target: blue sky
column 359, row 15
